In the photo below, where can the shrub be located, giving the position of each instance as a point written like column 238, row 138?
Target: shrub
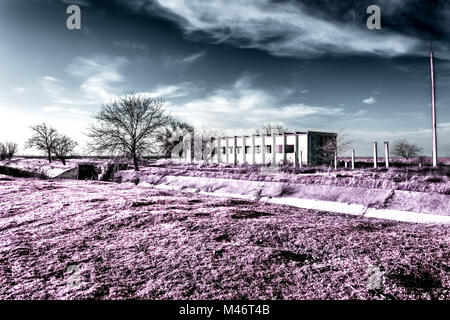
column 286, row 189
column 406, row 149
column 8, row 150
column 434, row 179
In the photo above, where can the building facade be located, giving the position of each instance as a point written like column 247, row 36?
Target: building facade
column 298, row 148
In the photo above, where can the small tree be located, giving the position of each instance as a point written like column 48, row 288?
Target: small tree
column 406, row 149
column 128, row 126
column 331, row 146
column 168, row 136
column 11, row 149
column 205, row 144
column 63, row 147
column 268, row 128
column 43, row 139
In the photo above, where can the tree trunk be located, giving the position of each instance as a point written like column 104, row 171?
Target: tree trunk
column 49, row 156
column 63, row 161
column 135, row 162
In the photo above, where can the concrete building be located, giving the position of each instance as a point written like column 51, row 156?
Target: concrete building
column 299, row 148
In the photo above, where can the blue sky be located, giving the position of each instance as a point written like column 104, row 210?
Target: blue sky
column 230, row 65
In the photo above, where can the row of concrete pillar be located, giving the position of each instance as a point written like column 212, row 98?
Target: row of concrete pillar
column 375, row 156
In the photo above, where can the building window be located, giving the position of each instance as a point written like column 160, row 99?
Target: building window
column 289, row 148
column 247, row 149
column 279, row 148
column 238, row 150
column 268, row 149
column 257, row 149
column 230, row 150
column 224, row 150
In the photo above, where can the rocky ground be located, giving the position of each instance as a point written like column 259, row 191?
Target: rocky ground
column 77, row 240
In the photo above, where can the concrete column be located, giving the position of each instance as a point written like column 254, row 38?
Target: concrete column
column 235, row 159
column 227, row 150
column 253, row 149
column 263, row 150
column 191, row 148
column 297, row 153
column 244, row 157
column 335, row 161
column 300, row 157
column 433, row 112
column 202, row 152
column 274, row 154
column 185, row 147
column 219, row 150
column 386, row 153
column 375, row 155
column 207, row 149
column 197, row 149
column 353, row 159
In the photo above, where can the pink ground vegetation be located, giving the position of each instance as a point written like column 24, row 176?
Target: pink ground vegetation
column 133, row 242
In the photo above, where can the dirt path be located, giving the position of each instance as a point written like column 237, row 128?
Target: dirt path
column 76, row 240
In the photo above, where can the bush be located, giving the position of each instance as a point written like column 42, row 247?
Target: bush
column 286, row 189
column 434, row 179
column 8, row 150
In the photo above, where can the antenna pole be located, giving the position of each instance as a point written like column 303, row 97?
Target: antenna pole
column 433, row 111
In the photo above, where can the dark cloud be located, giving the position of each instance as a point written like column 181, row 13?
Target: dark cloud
column 305, row 28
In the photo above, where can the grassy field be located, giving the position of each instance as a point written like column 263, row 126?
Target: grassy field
column 65, row 239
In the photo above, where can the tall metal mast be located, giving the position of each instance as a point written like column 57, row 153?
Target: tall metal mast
column 433, row 110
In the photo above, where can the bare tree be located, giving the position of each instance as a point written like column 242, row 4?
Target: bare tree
column 11, row 149
column 331, row 146
column 268, row 128
column 128, row 126
column 43, row 139
column 205, row 143
column 63, row 147
column 8, row 150
column 169, row 136
column 406, row 149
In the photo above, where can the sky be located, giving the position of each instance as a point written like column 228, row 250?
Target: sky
column 230, row 65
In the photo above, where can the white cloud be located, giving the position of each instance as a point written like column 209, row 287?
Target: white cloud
column 444, row 126
column 183, row 60
column 65, row 110
column 360, row 113
column 131, row 45
column 242, row 106
column 370, row 100
column 54, row 89
column 51, row 79
column 171, row 91
column 193, row 57
column 282, row 28
column 97, row 75
column 21, row 90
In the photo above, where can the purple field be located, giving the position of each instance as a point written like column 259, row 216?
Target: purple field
column 66, row 239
